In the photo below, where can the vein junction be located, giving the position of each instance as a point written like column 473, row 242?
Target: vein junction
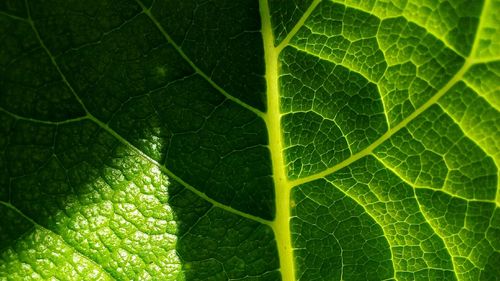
column 272, row 118
column 281, row 224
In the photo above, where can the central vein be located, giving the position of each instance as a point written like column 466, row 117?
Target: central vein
column 281, row 224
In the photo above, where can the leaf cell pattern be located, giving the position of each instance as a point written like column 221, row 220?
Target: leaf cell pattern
column 250, row 140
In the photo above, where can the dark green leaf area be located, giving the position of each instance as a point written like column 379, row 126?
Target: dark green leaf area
column 223, row 39
column 30, row 85
column 12, row 226
column 217, row 245
column 132, row 78
column 335, row 238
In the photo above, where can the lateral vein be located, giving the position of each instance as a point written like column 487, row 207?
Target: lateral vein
column 369, row 149
column 19, row 212
column 297, row 26
column 175, row 177
column 194, row 66
column 427, row 220
column 104, row 126
column 470, row 61
column 52, row 59
column 19, row 117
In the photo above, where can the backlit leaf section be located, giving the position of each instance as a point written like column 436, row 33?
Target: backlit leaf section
column 250, row 140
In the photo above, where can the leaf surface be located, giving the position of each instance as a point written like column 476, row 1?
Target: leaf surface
column 249, row 140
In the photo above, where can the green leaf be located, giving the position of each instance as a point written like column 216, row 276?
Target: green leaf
column 249, row 140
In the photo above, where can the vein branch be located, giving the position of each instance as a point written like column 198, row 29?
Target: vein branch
column 179, row 50
column 281, row 224
column 415, row 186
column 381, row 16
column 470, row 61
column 393, row 130
column 2, row 13
column 426, row 218
column 298, row 25
column 52, row 59
column 128, row 144
column 175, row 177
column 482, row 17
column 91, row 260
column 29, row 119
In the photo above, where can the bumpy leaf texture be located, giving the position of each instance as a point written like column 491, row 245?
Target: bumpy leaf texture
column 249, row 140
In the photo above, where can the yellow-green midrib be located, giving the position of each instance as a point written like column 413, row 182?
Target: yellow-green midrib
column 281, row 224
